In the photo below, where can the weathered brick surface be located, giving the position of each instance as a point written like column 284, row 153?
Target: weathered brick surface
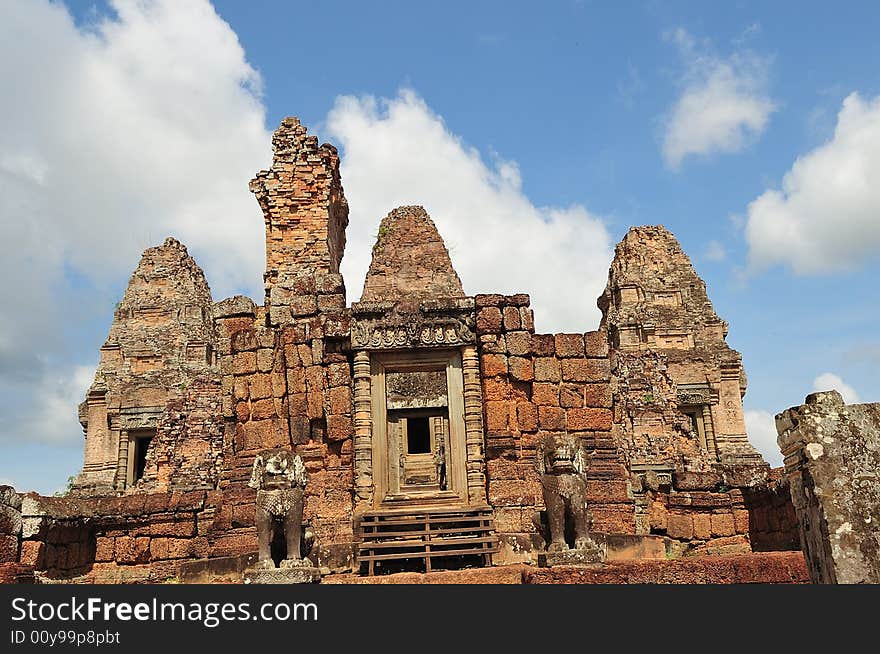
column 534, row 384
column 220, row 382
column 764, row 568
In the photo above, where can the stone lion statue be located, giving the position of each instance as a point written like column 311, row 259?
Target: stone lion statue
column 280, row 477
column 561, row 461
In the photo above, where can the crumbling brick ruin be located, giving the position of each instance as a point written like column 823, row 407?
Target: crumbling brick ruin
column 160, row 355
column 418, row 403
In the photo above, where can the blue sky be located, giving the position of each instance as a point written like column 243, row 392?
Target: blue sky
column 750, row 129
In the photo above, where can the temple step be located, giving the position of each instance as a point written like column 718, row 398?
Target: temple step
column 436, row 536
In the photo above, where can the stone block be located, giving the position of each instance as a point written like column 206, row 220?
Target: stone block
column 515, row 492
column 569, row 345
column 571, row 396
column 547, row 369
column 511, row 318
column 543, row 345
column 338, row 374
column 339, row 427
column 545, row 394
column 527, row 319
column 489, row 320
column 132, row 549
column 496, row 389
column 105, row 549
column 265, row 359
column 722, row 524
column 680, row 526
column 589, row 419
column 597, row 395
column 340, row 400
column 493, row 365
column 488, row 300
column 263, row 409
column 498, row 416
column 527, row 416
column 741, row 521
column 519, row 343
column 702, row 526
column 658, row 517
column 551, row 418
column 586, row 370
column 596, row 344
column 308, row 575
column 244, row 363
column 591, row 555
column 521, row 369
column 8, row 548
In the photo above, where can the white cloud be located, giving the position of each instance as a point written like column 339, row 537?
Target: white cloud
column 398, row 151
column 723, row 106
column 715, row 251
column 59, row 392
column 113, row 136
column 761, row 428
column 826, row 216
column 828, row 381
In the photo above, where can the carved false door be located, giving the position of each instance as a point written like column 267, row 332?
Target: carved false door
column 419, row 449
column 417, row 441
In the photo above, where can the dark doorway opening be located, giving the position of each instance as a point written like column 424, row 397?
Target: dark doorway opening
column 141, row 444
column 418, row 435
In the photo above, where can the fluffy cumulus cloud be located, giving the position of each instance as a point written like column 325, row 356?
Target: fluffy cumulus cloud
column 397, row 151
column 141, row 124
column 761, row 428
column 723, row 106
column 826, row 215
column 828, row 381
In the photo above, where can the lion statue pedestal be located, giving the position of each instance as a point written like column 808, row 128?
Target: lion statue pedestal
column 280, row 477
column 561, row 461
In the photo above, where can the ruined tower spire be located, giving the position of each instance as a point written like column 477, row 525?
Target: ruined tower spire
column 678, row 374
column 305, row 212
column 410, row 261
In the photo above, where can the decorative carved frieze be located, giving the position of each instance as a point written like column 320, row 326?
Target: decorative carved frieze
column 377, row 326
column 696, row 396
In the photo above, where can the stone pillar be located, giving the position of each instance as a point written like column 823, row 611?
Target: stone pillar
column 122, row 461
column 730, row 427
column 473, row 424
column 832, row 458
column 101, row 450
column 363, row 430
column 709, row 429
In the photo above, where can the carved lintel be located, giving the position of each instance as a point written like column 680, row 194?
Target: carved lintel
column 696, row 396
column 416, row 331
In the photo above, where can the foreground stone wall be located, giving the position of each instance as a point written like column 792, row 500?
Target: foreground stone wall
column 136, row 538
column 832, row 459
column 773, row 523
column 765, row 568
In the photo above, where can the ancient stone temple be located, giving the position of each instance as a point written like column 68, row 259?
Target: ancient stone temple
column 417, row 411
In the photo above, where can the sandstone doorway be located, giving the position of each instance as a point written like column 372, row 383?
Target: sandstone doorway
column 419, row 454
